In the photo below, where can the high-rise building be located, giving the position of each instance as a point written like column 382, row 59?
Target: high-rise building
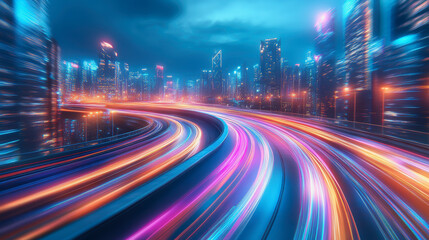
column 309, row 84
column 207, row 86
column 244, row 89
column 71, row 78
column 358, row 21
column 24, row 107
column 107, row 73
column 89, row 77
column 158, row 91
column 53, row 135
column 325, row 50
column 9, row 97
column 341, row 98
column 270, row 63
column 406, row 77
column 255, row 84
column 145, row 85
column 125, row 78
column 170, row 88
column 218, row 81
column 358, row 17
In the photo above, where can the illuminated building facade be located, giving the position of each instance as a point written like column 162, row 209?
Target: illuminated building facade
column 9, row 112
column 89, row 77
column 357, row 16
column 24, row 55
column 53, row 135
column 158, row 90
column 207, row 86
column 325, row 50
column 71, row 80
column 218, row 82
column 255, row 84
column 243, row 88
column 406, row 77
column 358, row 19
column 309, row 85
column 107, row 73
column 270, row 63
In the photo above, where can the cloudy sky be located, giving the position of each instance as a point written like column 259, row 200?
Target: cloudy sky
column 183, row 34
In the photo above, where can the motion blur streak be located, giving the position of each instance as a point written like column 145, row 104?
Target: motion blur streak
column 213, row 173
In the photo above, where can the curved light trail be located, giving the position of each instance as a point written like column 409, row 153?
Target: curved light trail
column 220, row 173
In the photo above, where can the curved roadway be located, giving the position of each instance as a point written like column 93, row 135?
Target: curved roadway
column 201, row 172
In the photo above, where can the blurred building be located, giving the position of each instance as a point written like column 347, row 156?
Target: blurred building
column 358, row 17
column 53, row 135
column 170, row 88
column 309, row 85
column 71, row 81
column 244, row 89
column 26, row 97
column 255, row 84
column 207, row 86
column 89, row 77
column 158, row 91
column 406, row 76
column 325, row 51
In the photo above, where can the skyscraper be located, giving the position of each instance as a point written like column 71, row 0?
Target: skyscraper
column 218, row 82
column 243, row 86
column 53, row 135
column 24, row 84
column 309, row 86
column 207, row 86
column 9, row 97
column 158, row 91
column 325, row 50
column 71, row 78
column 89, row 77
column 270, row 54
column 358, row 19
column 406, row 76
column 107, row 79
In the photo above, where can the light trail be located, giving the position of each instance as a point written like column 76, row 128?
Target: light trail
column 209, row 172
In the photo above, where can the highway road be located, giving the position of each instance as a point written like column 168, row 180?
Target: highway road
column 207, row 172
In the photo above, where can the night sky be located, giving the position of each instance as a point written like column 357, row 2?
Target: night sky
column 184, row 34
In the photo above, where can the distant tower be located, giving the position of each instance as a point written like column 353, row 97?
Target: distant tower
column 309, row 85
column 159, row 83
column 270, row 64
column 106, row 79
column 217, row 74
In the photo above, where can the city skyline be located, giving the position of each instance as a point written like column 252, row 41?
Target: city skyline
column 181, row 49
